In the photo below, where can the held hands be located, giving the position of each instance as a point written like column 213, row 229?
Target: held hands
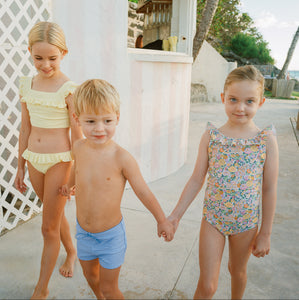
column 66, row 191
column 19, row 181
column 166, row 230
column 173, row 222
column 261, row 246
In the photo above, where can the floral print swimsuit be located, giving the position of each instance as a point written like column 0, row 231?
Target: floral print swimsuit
column 234, row 182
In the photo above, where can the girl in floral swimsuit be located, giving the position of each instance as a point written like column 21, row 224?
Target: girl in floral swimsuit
column 242, row 166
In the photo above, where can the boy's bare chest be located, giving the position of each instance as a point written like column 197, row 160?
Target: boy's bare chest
column 99, row 169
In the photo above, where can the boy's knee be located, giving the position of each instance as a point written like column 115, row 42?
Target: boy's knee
column 108, row 290
column 90, row 275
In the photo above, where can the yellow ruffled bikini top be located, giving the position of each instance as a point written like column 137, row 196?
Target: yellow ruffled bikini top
column 46, row 109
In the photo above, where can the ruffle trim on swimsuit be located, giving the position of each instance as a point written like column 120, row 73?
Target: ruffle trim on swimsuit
column 55, row 99
column 216, row 135
column 46, row 158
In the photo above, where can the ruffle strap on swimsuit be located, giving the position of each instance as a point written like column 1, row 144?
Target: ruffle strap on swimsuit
column 216, row 135
column 46, row 109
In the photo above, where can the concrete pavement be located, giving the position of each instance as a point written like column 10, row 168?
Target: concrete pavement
column 154, row 269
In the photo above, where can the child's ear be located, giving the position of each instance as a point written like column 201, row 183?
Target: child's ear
column 76, row 119
column 222, row 97
column 262, row 101
column 117, row 116
column 29, row 49
column 64, row 53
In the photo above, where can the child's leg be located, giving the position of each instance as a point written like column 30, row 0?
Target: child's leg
column 91, row 271
column 211, row 245
column 240, row 246
column 65, row 234
column 109, row 283
column 53, row 206
column 37, row 181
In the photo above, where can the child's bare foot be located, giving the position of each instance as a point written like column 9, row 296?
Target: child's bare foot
column 67, row 268
column 40, row 295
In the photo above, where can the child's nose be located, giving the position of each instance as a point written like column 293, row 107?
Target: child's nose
column 99, row 126
column 240, row 106
column 46, row 63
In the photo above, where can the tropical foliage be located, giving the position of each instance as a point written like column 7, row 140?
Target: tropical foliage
column 232, row 30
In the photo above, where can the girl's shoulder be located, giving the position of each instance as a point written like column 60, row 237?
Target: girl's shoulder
column 67, row 88
column 25, row 83
column 216, row 135
column 55, row 99
column 268, row 130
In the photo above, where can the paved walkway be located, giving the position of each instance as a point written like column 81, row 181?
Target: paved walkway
column 157, row 270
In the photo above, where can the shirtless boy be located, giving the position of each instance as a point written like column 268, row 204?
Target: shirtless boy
column 99, row 174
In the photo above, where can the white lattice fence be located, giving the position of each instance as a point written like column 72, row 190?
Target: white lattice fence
column 16, row 19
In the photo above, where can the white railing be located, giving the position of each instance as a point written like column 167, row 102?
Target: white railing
column 16, row 19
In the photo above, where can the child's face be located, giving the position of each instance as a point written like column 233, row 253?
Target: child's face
column 242, row 99
column 98, row 128
column 46, row 58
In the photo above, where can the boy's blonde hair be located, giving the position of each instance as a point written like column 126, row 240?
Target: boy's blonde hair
column 248, row 72
column 95, row 95
column 47, row 32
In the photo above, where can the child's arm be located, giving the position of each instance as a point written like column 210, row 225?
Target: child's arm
column 195, row 182
column 23, row 143
column 261, row 245
column 76, row 133
column 132, row 173
column 66, row 189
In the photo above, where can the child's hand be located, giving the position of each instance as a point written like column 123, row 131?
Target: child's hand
column 261, row 246
column 19, row 181
column 66, row 191
column 166, row 230
column 174, row 221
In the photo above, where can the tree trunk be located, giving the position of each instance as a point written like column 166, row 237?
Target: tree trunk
column 282, row 73
column 203, row 26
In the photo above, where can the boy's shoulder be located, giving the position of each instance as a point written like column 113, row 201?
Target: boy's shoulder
column 123, row 155
column 121, row 152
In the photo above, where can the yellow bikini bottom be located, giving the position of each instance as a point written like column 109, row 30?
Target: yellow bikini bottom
column 44, row 161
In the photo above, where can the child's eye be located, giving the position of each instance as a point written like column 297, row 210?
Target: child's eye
column 250, row 101
column 90, row 121
column 108, row 121
column 53, row 58
column 233, row 99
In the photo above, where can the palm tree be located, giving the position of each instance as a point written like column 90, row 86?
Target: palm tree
column 282, row 73
column 203, row 26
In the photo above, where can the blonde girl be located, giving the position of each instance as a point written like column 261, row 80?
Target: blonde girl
column 44, row 143
column 242, row 165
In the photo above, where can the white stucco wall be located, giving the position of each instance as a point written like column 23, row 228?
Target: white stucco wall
column 211, row 69
column 154, row 86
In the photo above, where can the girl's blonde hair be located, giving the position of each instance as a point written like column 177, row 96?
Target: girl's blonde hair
column 248, row 72
column 47, row 32
column 95, row 95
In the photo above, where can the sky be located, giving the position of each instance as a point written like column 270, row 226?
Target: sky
column 277, row 21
